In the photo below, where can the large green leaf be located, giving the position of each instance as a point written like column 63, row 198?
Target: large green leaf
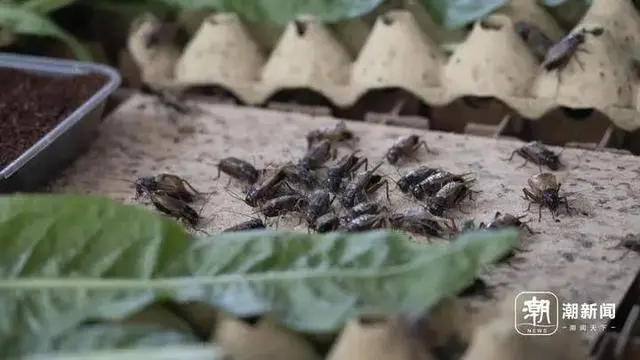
column 554, row 3
column 457, row 13
column 24, row 21
column 124, row 341
column 130, row 7
column 184, row 352
column 65, row 259
column 46, row 6
column 283, row 11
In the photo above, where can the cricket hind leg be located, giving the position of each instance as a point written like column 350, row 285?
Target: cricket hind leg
column 564, row 200
column 528, row 228
column 426, row 148
column 198, row 229
column 578, row 61
column 529, row 196
column 621, row 257
column 377, row 186
column 386, row 185
column 525, row 163
column 365, row 163
column 510, row 259
column 616, row 246
column 470, row 193
column 513, row 153
column 193, row 189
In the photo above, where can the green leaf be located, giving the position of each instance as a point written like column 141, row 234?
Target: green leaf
column 458, row 13
column 184, row 352
column 282, row 11
column 554, row 3
column 128, row 7
column 121, row 340
column 45, row 6
column 65, row 259
column 26, row 22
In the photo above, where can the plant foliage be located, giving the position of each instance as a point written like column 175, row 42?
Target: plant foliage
column 66, row 259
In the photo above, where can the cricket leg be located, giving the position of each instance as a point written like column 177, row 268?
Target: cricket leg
column 616, row 246
column 529, row 197
column 190, row 187
column 540, row 212
column 426, row 148
column 334, row 153
column 471, row 192
column 511, row 265
column 579, row 62
column 513, row 153
column 526, row 162
column 365, row 162
column 566, row 204
column 621, row 257
column 528, row 229
column 386, row 184
column 377, row 186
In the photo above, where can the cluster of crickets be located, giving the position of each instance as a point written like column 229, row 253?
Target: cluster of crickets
column 310, row 186
column 331, row 193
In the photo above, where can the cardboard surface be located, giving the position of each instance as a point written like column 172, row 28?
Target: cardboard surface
column 570, row 256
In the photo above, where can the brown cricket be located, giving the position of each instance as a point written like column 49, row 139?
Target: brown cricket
column 448, row 196
column 175, row 208
column 363, row 185
column 345, row 167
column 539, row 154
column 257, row 193
column 338, row 133
column 558, row 56
column 404, row 147
column 169, row 184
column 544, row 190
column 406, row 182
column 501, row 221
column 435, row 182
column 253, row 224
column 238, row 169
column 318, row 154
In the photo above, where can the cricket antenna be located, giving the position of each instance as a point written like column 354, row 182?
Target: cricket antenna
column 242, row 214
column 235, row 195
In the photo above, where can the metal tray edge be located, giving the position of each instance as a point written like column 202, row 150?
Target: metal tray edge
column 24, row 62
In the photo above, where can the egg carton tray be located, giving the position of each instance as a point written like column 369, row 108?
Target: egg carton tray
column 492, row 84
column 621, row 338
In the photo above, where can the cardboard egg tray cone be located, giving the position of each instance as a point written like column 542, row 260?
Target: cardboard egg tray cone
column 142, row 139
column 401, row 51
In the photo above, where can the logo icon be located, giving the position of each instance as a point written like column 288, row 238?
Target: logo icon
column 536, row 313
